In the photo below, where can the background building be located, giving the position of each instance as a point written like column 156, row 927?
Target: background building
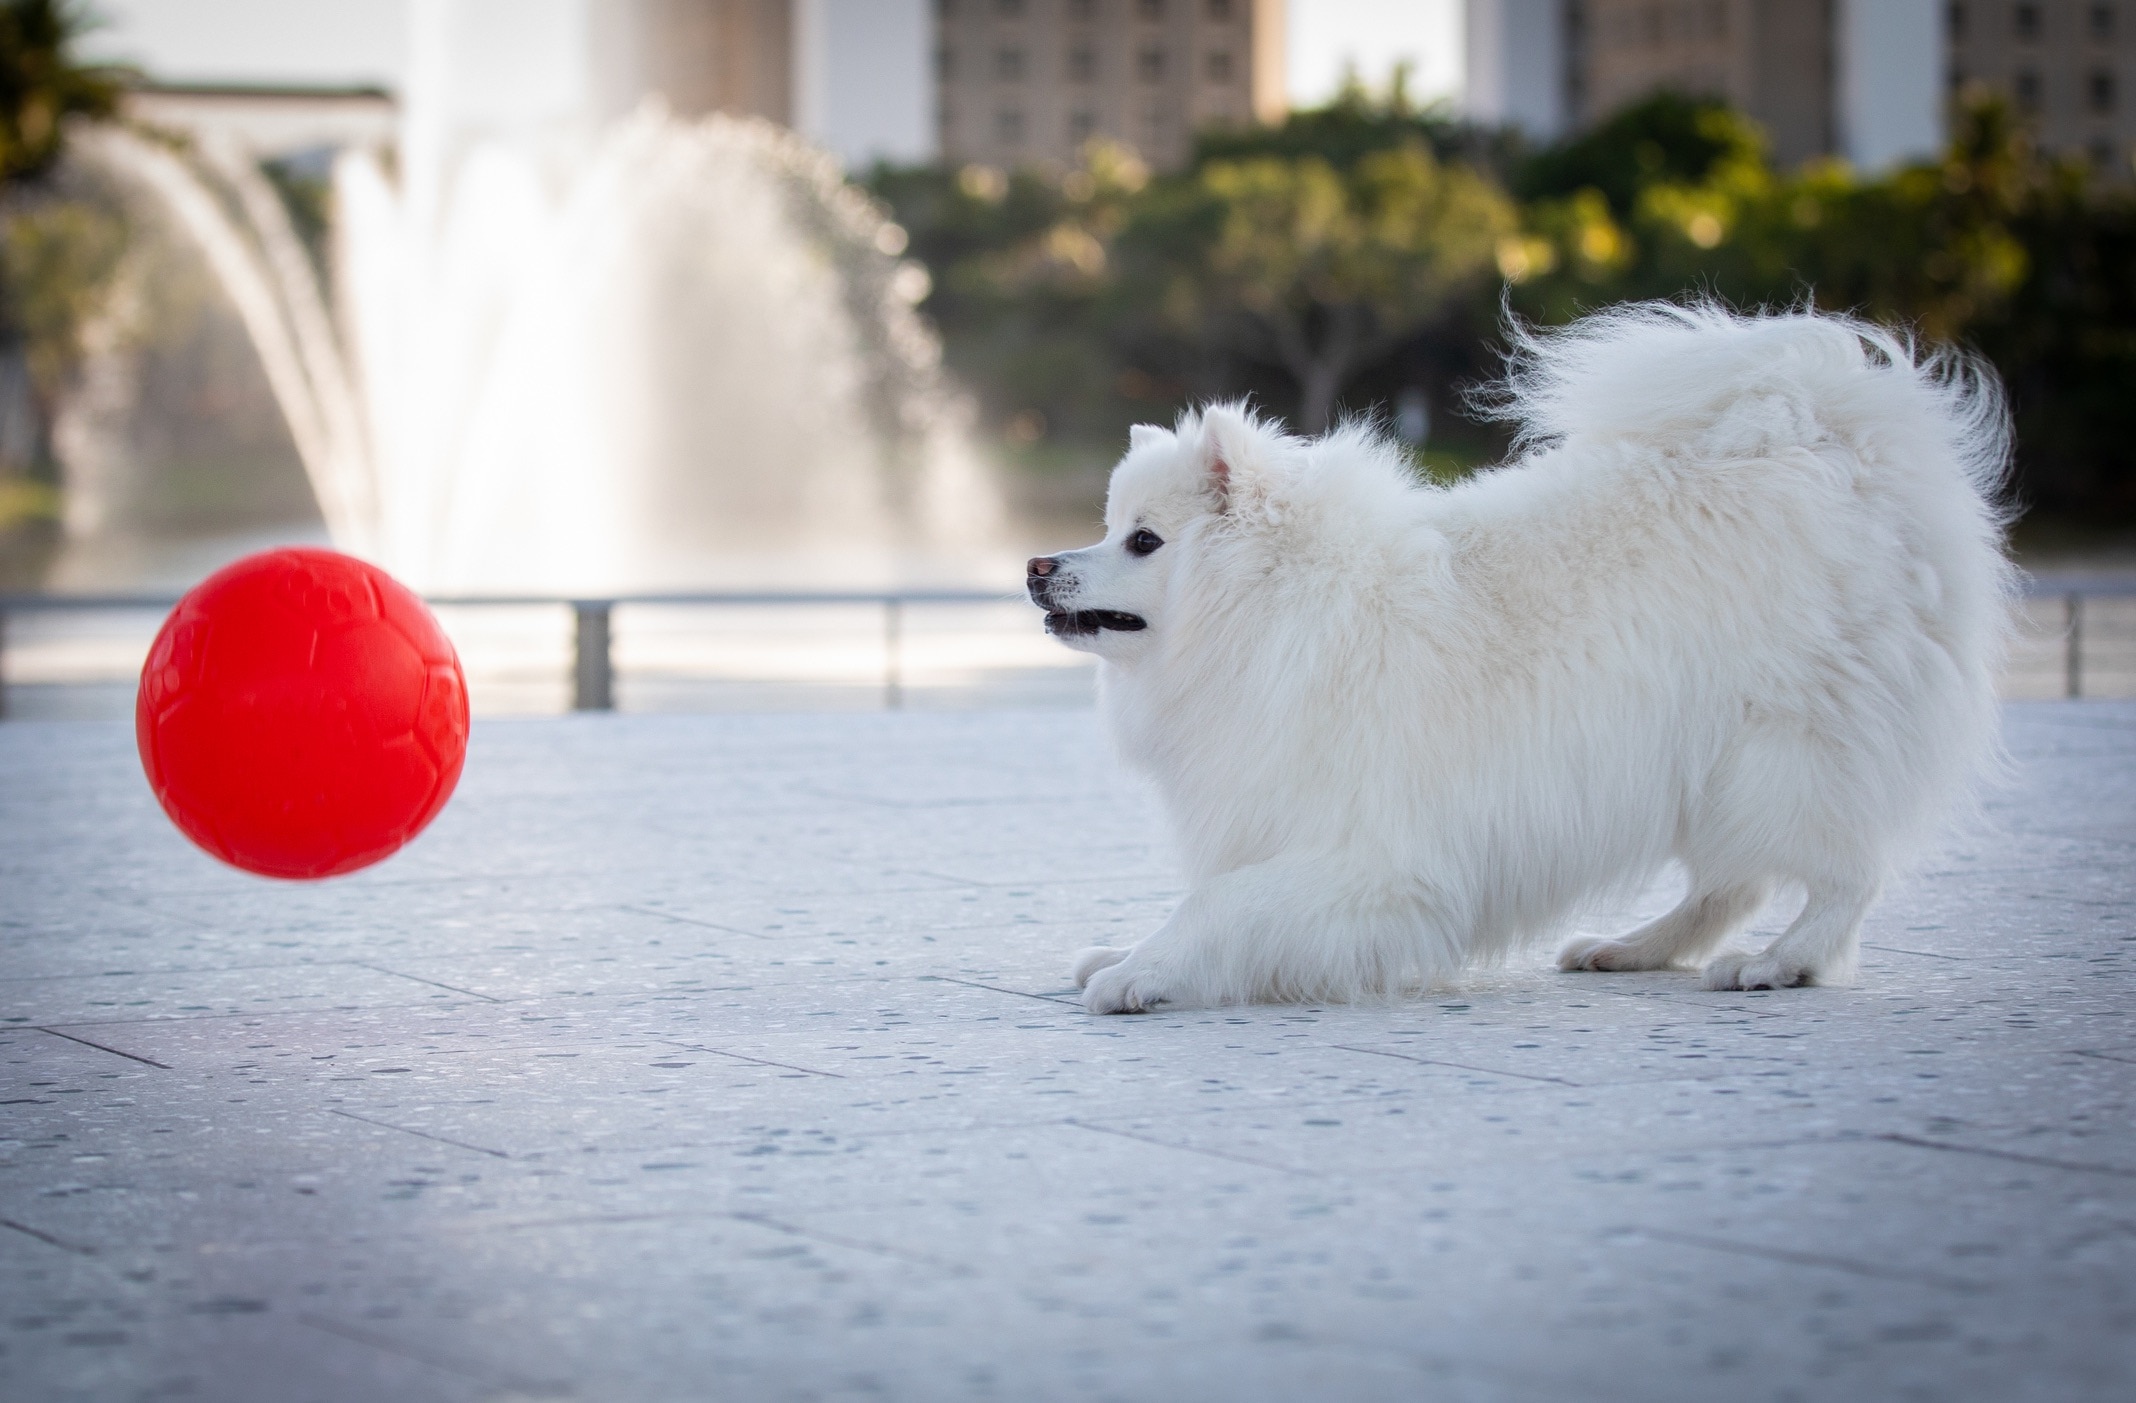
column 857, row 76
column 1004, row 81
column 2066, row 65
column 1024, row 81
column 852, row 75
column 1849, row 77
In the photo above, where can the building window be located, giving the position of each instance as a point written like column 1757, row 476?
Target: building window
column 1082, row 64
column 1150, row 65
column 2100, row 91
column 1009, row 9
column 1150, row 9
column 2026, row 20
column 1082, row 126
column 1083, row 9
column 945, row 63
column 2028, row 92
column 1218, row 65
column 1955, row 21
column 1220, row 11
column 1009, row 126
column 1957, row 80
column 2102, row 21
column 1009, row 65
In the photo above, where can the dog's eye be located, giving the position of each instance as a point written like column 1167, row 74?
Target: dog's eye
column 1143, row 542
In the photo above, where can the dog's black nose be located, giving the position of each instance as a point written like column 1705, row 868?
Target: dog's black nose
column 1041, row 580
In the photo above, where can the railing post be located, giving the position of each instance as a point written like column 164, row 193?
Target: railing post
column 893, row 653
column 593, row 671
column 2073, row 662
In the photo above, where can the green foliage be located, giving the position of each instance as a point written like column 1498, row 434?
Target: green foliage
column 56, row 253
column 41, row 86
column 1667, row 139
column 1087, row 301
column 2029, row 261
column 1354, row 126
column 1933, row 245
column 56, row 259
column 1356, row 251
column 1023, row 283
column 1312, row 267
column 23, row 500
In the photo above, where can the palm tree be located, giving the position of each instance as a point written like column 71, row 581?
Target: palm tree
column 46, row 278
column 41, row 85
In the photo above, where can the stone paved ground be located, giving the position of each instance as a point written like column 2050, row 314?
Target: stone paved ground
column 729, row 1058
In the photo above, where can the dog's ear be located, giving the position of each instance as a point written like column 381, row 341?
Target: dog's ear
column 1230, row 454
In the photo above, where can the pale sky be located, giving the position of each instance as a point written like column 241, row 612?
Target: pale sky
column 361, row 41
column 1372, row 36
column 354, row 42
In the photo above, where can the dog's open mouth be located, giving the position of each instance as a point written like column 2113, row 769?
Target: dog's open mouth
column 1064, row 623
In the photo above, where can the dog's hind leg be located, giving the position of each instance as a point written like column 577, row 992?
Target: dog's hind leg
column 1700, row 922
column 1819, row 948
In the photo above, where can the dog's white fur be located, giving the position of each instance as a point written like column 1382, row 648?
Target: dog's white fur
column 1740, row 602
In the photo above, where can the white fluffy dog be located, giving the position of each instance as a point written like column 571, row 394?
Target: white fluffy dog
column 1740, row 603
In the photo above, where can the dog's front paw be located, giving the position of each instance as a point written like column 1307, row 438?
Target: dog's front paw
column 1123, row 987
column 1090, row 961
column 1597, row 952
column 1738, row 969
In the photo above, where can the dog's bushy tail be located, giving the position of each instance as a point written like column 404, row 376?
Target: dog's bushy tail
column 1704, row 378
column 1857, row 409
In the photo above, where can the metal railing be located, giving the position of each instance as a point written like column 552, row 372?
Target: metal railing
column 593, row 670
column 2073, row 590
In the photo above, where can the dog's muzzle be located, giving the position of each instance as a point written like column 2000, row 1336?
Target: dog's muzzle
column 1042, row 578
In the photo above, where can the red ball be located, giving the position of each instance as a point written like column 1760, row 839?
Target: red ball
column 301, row 714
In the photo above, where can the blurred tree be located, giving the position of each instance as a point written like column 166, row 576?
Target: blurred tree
column 57, row 251
column 2038, row 258
column 1360, row 251
column 1021, row 267
column 1074, row 301
column 56, row 258
column 1315, row 268
column 1666, row 139
column 41, row 86
column 2029, row 260
column 1357, row 124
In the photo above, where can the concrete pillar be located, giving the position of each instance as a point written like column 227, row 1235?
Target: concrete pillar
column 1516, row 62
column 1889, row 84
column 864, row 85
